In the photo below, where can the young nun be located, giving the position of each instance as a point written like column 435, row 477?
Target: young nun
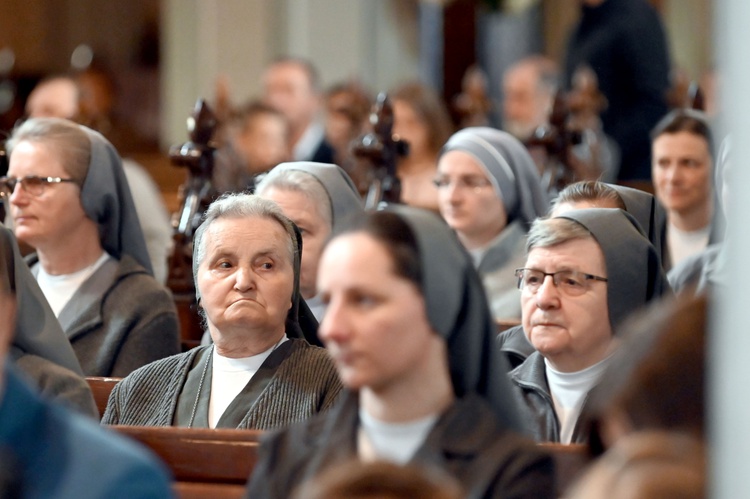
column 410, row 332
column 489, row 192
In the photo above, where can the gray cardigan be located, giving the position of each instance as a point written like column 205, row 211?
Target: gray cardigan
column 120, row 319
column 304, row 384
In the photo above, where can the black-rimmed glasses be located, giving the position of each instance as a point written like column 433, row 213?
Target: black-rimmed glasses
column 32, row 184
column 570, row 282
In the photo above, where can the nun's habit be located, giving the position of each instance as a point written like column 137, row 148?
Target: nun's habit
column 120, row 318
column 515, row 179
column 295, row 381
column 475, row 440
column 343, row 197
column 40, row 349
column 634, row 277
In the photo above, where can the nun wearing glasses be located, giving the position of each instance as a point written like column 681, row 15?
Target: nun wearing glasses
column 69, row 200
column 489, row 192
column 586, row 271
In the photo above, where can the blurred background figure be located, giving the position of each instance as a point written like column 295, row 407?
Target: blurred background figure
column 80, row 458
column 529, row 88
column 258, row 140
column 473, row 105
column 624, row 42
column 347, row 109
column 647, row 465
column 292, row 86
column 656, row 380
column 422, row 120
column 381, row 480
column 682, row 151
column 489, row 193
column 61, row 97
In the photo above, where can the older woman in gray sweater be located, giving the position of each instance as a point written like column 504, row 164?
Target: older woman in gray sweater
column 259, row 373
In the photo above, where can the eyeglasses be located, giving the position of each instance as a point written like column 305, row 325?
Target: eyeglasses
column 570, row 282
column 473, row 182
column 32, row 184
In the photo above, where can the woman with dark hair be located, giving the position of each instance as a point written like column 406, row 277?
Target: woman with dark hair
column 70, row 201
column 410, row 332
column 421, row 119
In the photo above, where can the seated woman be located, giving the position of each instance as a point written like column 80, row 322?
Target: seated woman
column 317, row 197
column 257, row 374
column 410, row 331
column 421, row 119
column 489, row 193
column 40, row 349
column 69, row 200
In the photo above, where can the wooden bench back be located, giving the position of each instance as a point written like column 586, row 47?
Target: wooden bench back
column 204, row 462
column 101, row 388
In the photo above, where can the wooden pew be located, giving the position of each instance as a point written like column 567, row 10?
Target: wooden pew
column 205, row 463
column 101, row 388
column 570, row 460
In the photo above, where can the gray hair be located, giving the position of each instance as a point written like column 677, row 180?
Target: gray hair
column 546, row 232
column 302, row 182
column 67, row 140
column 588, row 190
column 240, row 205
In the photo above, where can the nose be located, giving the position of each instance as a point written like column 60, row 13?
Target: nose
column 334, row 328
column 244, row 278
column 19, row 196
column 454, row 192
column 547, row 296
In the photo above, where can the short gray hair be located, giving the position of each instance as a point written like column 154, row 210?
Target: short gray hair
column 67, row 140
column 302, row 182
column 240, row 205
column 546, row 232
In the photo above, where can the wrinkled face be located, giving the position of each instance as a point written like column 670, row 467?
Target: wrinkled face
column 408, row 125
column 466, row 198
column 525, row 106
column 287, row 88
column 246, row 278
column 263, row 143
column 571, row 332
column 41, row 221
column 376, row 326
column 301, row 210
column 53, row 99
column 682, row 172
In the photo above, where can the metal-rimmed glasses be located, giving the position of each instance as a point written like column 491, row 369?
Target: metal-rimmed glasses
column 570, row 282
column 31, row 184
column 473, row 182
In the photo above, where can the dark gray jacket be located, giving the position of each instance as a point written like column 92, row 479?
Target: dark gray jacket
column 535, row 403
column 304, row 384
column 467, row 442
column 120, row 319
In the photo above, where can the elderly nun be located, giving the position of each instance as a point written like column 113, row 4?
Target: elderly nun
column 489, row 192
column 411, row 335
column 317, row 197
column 586, row 271
column 69, row 200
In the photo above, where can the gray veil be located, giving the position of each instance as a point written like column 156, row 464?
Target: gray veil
column 510, row 168
column 634, row 272
column 106, row 199
column 457, row 309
